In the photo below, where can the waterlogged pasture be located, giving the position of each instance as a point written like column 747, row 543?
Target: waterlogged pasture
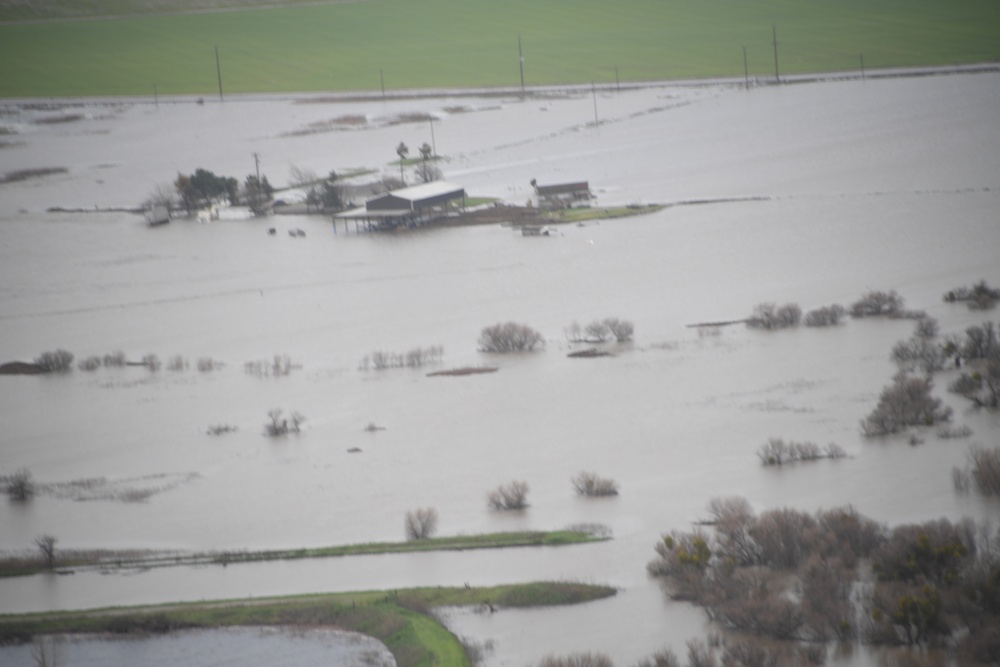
column 810, row 193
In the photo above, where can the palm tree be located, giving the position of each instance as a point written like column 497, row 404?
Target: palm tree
column 402, row 151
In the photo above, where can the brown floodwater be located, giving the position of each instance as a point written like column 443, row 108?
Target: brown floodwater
column 812, row 193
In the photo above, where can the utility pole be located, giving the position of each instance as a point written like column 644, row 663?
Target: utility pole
column 434, row 150
column 256, row 164
column 218, row 70
column 520, row 59
column 862, row 67
column 774, row 36
column 381, row 77
column 746, row 70
column 618, row 85
column 593, row 90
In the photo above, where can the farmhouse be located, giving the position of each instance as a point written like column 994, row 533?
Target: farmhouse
column 562, row 195
column 407, row 207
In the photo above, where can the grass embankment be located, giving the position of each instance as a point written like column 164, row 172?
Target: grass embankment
column 400, row 619
column 355, row 46
column 72, row 561
column 595, row 213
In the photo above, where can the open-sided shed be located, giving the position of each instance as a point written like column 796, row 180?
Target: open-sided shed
column 409, row 207
column 562, row 195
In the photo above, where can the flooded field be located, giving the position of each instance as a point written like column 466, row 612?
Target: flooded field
column 811, row 193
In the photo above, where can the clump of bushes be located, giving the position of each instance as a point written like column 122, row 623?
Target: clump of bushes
column 906, row 402
column 921, row 351
column 415, row 358
column 777, row 452
column 877, row 303
column 577, row 660
column 827, row 316
column 510, row 496
column 978, row 297
column 114, row 359
column 89, row 364
column 281, row 426
column 983, row 471
column 421, row 524
column 222, row 429
column 509, row 337
column 981, row 349
column 59, row 361
column 151, row 362
column 592, row 484
column 20, row 486
column 207, row 365
column 278, row 366
column 600, row 331
column 931, row 586
column 772, row 316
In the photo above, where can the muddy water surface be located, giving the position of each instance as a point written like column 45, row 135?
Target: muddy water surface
column 815, row 193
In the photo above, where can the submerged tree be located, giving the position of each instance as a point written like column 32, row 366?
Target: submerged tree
column 906, row 402
column 509, row 337
column 402, row 150
column 257, row 195
column 47, row 545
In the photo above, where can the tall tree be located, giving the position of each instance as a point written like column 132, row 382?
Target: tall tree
column 402, row 150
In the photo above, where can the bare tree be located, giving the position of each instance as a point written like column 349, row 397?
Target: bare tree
column 47, row 545
column 877, row 303
column 45, row 651
column 402, row 150
column 825, row 316
column 622, row 330
column 275, row 427
column 920, row 351
column 510, row 496
column 20, row 486
column 509, row 337
column 306, row 179
column 985, row 470
column 421, row 523
column 734, row 519
column 59, row 361
column 597, row 331
column 162, row 194
column 906, row 402
column 772, row 316
column 428, row 173
column 591, row 484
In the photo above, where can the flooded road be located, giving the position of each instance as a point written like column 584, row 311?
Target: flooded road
column 814, row 193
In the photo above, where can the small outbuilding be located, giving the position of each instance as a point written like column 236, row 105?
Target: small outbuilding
column 563, row 195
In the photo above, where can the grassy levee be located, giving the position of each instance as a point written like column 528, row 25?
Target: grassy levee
column 472, row 43
column 72, row 561
column 402, row 620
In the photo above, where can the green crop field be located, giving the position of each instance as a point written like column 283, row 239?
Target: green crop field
column 354, row 46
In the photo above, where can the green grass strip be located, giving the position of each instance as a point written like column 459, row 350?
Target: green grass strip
column 23, row 567
column 400, row 619
column 421, row 44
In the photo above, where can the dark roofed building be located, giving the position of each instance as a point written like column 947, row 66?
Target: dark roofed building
column 409, row 207
column 563, row 195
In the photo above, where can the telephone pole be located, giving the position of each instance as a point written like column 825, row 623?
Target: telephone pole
column 218, row 70
column 520, row 59
column 746, row 71
column 774, row 36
